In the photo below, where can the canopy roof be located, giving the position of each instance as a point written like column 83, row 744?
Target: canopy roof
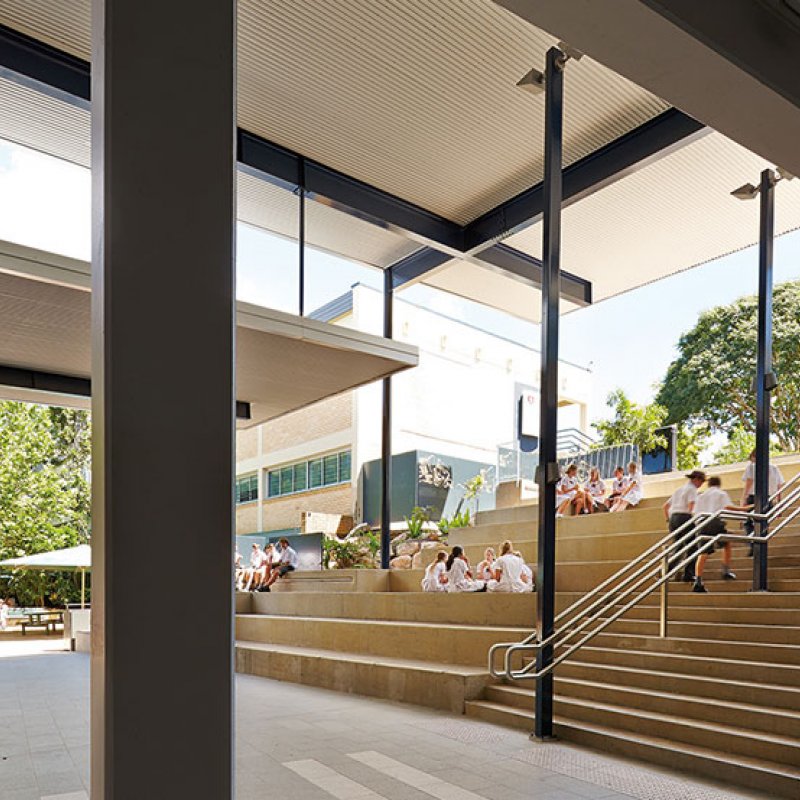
column 69, row 559
column 405, row 125
column 45, row 328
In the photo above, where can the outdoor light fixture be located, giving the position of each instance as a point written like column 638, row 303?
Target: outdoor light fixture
column 746, row 192
column 532, row 82
column 573, row 52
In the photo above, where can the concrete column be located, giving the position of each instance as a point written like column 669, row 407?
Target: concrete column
column 163, row 399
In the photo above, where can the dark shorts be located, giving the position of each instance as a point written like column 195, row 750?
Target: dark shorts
column 285, row 570
column 676, row 520
column 714, row 528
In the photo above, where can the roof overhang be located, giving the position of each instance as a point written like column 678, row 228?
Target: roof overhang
column 283, row 362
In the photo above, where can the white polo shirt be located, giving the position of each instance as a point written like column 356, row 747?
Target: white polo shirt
column 775, row 478
column 682, row 498
column 712, row 500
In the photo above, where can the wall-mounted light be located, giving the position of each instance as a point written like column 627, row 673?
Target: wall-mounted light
column 532, row 82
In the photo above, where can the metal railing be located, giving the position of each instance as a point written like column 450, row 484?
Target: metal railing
column 634, row 582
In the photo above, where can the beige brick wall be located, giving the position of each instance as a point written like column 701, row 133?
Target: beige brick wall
column 284, row 512
column 247, row 518
column 247, row 443
column 322, row 419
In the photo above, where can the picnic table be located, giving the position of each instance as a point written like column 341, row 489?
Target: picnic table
column 46, row 618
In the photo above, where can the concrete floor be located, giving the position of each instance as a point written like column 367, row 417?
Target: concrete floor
column 311, row 744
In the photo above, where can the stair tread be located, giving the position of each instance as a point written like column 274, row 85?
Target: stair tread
column 653, row 741
column 364, row 658
column 388, row 623
column 716, row 660
column 733, row 705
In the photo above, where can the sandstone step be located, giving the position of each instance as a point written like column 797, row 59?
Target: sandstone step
column 777, row 779
column 719, row 614
column 450, row 644
column 425, row 683
column 728, row 600
column 733, row 632
column 665, row 700
column 460, row 609
column 734, row 689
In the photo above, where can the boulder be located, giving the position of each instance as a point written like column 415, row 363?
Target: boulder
column 407, row 548
column 401, row 562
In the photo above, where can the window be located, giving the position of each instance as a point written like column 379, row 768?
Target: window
column 307, row 475
column 247, row 489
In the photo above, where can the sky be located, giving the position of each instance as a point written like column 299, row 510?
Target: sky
column 46, row 203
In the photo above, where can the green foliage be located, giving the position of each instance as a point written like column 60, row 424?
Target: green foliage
column 444, row 526
column 739, row 446
column 632, row 423
column 692, row 440
column 461, row 520
column 417, row 521
column 44, row 493
column 710, row 380
column 357, row 549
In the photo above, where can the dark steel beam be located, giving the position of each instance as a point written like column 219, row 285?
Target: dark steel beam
column 764, row 378
column 52, row 382
column 386, row 430
column 547, row 471
column 417, row 265
column 630, row 152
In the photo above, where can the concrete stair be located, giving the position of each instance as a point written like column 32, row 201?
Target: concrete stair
column 720, row 696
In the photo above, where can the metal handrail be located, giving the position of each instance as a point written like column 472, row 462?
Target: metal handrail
column 672, row 547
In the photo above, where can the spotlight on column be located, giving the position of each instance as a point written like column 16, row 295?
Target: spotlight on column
column 746, row 192
column 532, row 82
column 570, row 51
column 784, row 174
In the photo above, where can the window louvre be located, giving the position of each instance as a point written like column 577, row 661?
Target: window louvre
column 305, row 476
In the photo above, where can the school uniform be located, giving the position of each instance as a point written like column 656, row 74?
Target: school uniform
column 680, row 512
column 635, row 494
column 431, row 582
column 618, row 485
column 510, row 567
column 710, row 502
column 569, row 489
column 774, row 483
column 458, row 581
column 597, row 490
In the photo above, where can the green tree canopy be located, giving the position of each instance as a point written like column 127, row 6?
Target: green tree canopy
column 44, row 489
column 710, row 380
column 632, row 423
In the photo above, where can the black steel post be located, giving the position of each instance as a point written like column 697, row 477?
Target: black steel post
column 547, row 473
column 301, row 243
column 764, row 376
column 386, row 431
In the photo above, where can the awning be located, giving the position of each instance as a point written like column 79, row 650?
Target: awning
column 70, row 559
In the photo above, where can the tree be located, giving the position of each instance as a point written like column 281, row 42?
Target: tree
column 692, row 441
column 44, row 491
column 738, row 447
column 632, row 423
column 710, row 380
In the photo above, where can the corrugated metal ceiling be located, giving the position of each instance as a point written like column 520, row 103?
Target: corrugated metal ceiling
column 416, row 97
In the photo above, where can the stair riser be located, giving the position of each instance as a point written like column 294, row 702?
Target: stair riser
column 721, row 616
column 675, row 730
column 425, row 688
column 689, row 630
column 462, row 645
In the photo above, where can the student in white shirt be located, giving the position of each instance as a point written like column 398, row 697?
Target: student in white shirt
column 4, row 609
column 568, row 492
column 775, row 484
column 634, row 489
column 618, row 485
column 459, row 576
column 527, row 573
column 255, row 570
column 484, row 570
column 286, row 563
column 595, row 492
column 238, row 570
column 712, row 500
column 679, row 509
column 507, row 572
column 435, row 579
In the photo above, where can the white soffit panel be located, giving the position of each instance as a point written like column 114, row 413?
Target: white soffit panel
column 272, row 208
column 418, row 98
column 672, row 215
column 483, row 285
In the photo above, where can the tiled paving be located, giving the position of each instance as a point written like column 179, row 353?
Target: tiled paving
column 311, row 744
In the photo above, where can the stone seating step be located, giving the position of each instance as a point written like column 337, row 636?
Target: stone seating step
column 425, row 683
column 778, row 779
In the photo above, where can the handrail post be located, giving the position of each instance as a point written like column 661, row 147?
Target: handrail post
column 663, row 616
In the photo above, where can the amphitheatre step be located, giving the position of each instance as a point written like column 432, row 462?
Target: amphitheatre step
column 777, row 779
column 451, row 644
column 442, row 686
column 665, row 700
column 741, row 599
column 737, row 690
column 719, row 615
column 773, row 634
column 458, row 609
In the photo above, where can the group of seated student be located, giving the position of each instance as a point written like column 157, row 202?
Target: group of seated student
column 506, row 573
column 626, row 490
column 266, row 566
column 686, row 502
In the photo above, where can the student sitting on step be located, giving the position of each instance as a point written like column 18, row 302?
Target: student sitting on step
column 286, row 563
column 617, row 486
column 485, row 571
column 459, row 575
column 527, row 574
column 568, row 492
column 507, row 572
column 711, row 501
column 633, row 492
column 435, row 578
column 595, row 492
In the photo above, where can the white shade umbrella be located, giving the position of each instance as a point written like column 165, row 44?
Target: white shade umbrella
column 70, row 559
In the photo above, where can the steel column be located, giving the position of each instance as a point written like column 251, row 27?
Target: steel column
column 764, row 376
column 163, row 320
column 386, row 430
column 547, row 472
column 301, row 244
